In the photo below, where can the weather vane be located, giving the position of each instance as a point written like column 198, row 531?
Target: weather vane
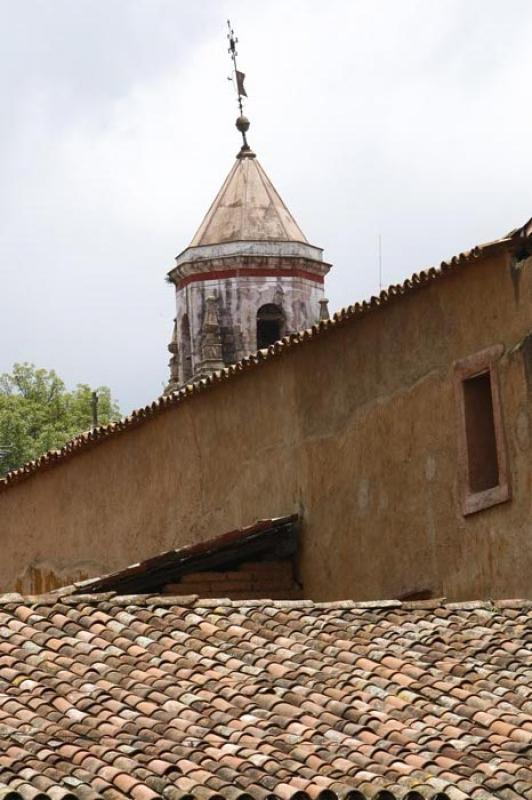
column 242, row 122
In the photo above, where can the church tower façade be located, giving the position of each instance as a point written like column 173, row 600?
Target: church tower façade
column 249, row 275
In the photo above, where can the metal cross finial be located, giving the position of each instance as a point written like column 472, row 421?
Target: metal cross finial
column 242, row 122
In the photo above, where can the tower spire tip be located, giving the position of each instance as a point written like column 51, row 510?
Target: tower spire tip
column 242, row 122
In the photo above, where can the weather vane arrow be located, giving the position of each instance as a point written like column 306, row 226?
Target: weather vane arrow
column 242, row 122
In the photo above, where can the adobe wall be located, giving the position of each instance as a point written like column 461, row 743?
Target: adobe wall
column 356, row 430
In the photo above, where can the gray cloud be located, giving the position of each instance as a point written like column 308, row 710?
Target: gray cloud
column 410, row 120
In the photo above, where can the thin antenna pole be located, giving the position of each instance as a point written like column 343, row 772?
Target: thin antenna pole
column 94, row 409
column 379, row 246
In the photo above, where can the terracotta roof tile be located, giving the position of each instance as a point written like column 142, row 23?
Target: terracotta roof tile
column 516, row 240
column 143, row 699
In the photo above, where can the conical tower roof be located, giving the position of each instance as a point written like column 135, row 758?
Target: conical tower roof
column 247, row 208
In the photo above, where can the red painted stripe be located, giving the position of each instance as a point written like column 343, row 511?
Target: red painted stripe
column 248, row 272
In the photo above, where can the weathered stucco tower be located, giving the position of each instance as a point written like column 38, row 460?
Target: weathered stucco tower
column 248, row 277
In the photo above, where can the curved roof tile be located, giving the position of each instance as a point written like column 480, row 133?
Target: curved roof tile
column 105, row 697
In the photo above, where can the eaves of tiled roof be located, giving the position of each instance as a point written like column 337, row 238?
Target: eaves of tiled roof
column 515, row 240
column 105, row 697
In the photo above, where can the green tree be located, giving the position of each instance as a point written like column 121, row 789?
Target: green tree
column 37, row 413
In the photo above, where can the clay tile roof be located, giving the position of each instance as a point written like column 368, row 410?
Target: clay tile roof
column 518, row 241
column 104, row 697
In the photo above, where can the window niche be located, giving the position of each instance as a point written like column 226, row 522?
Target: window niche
column 186, row 350
column 270, row 324
column 483, row 467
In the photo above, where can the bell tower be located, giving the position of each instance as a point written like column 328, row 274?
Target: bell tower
column 249, row 275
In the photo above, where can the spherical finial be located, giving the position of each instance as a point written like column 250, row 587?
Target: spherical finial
column 242, row 124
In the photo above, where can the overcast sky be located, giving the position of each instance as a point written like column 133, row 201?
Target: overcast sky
column 407, row 119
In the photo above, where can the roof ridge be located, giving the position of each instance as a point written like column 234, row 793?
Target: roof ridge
column 246, row 165
column 267, row 184
column 69, row 596
column 164, row 402
column 207, row 219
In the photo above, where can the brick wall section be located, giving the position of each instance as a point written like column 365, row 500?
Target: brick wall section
column 252, row 581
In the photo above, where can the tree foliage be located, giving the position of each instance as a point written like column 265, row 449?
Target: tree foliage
column 37, row 413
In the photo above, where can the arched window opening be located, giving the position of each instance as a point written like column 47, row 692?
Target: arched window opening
column 270, row 322
column 186, row 350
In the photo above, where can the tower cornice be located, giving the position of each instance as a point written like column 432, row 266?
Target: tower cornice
column 245, row 267
column 193, row 257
